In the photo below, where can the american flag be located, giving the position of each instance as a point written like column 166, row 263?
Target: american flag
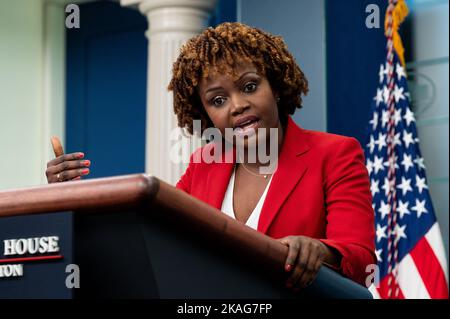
column 409, row 248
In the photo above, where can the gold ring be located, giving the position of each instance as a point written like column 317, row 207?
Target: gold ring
column 58, row 177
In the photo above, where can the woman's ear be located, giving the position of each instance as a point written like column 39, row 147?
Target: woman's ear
column 276, row 95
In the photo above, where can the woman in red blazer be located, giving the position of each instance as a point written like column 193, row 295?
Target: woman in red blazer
column 320, row 190
column 317, row 202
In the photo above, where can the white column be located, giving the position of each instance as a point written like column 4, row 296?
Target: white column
column 54, row 106
column 171, row 24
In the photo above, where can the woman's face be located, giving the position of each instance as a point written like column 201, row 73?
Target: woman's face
column 245, row 105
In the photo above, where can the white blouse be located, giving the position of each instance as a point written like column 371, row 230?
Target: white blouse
column 227, row 204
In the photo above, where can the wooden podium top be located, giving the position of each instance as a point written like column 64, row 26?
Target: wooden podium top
column 127, row 190
column 144, row 192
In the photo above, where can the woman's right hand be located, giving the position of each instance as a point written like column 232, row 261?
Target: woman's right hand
column 66, row 167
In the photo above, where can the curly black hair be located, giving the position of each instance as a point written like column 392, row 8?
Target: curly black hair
column 220, row 49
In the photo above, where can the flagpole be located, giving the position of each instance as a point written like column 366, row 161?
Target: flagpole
column 392, row 196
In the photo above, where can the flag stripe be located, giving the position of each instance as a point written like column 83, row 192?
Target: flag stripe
column 430, row 269
column 435, row 241
column 374, row 291
column 384, row 286
column 410, row 280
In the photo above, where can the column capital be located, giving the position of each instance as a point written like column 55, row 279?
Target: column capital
column 204, row 5
column 175, row 15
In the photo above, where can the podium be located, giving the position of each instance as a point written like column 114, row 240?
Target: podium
column 135, row 236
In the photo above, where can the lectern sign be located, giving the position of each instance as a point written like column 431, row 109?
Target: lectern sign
column 34, row 253
column 17, row 251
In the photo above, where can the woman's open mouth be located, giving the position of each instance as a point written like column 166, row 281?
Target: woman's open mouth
column 247, row 125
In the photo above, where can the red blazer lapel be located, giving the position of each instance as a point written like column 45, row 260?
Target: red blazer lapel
column 289, row 172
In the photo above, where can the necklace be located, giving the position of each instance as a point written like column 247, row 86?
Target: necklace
column 255, row 174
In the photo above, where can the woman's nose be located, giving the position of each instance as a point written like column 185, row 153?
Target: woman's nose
column 239, row 105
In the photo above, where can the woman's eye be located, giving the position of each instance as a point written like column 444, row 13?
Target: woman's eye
column 218, row 101
column 250, row 87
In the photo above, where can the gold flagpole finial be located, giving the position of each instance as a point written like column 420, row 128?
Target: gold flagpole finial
column 398, row 16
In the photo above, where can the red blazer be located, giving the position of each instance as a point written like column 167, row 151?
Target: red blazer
column 320, row 189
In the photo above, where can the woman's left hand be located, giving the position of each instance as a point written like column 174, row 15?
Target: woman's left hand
column 304, row 259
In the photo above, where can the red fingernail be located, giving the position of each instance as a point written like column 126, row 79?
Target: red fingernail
column 80, row 155
column 85, row 171
column 288, row 267
column 86, row 163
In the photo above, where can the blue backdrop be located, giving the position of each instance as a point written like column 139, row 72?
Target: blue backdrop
column 354, row 54
column 106, row 88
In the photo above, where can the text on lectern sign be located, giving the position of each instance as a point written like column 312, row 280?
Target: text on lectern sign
column 18, row 251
